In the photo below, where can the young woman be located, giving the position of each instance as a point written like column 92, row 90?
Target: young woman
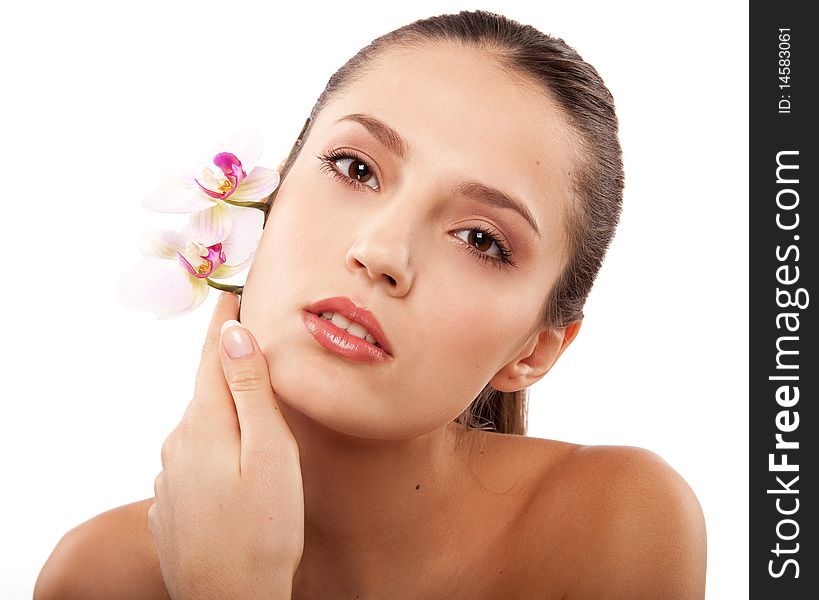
column 450, row 201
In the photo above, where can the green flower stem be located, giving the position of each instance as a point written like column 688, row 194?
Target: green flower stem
column 262, row 206
column 259, row 205
column 236, row 289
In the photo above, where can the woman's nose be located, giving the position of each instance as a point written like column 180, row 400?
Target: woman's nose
column 381, row 252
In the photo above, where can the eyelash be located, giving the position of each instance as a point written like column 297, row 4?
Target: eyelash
column 505, row 258
column 335, row 155
column 329, row 158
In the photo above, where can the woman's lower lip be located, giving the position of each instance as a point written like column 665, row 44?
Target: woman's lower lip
column 340, row 341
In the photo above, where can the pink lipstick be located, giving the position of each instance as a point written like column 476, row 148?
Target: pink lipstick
column 342, row 342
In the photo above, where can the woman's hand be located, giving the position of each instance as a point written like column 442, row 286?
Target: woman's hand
column 228, row 517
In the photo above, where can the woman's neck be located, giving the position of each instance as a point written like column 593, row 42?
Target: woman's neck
column 378, row 500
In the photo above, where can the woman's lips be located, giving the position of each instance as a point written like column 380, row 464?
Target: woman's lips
column 357, row 313
column 342, row 342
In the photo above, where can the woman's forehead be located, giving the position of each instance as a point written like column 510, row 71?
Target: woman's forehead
column 459, row 90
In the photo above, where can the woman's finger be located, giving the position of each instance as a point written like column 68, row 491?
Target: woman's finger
column 264, row 433
column 212, row 394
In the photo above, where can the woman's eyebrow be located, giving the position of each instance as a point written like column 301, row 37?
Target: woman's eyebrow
column 390, row 138
column 490, row 195
column 382, row 132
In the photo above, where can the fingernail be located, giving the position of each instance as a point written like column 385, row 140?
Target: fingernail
column 223, row 296
column 236, row 341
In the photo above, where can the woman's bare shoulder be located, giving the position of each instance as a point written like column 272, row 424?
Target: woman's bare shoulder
column 110, row 556
column 625, row 519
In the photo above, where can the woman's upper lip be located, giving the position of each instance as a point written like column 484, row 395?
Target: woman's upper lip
column 354, row 312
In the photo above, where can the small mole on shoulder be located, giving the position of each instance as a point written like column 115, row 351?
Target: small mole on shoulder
column 418, row 487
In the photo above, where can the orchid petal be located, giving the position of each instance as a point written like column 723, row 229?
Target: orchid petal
column 156, row 284
column 225, row 271
column 163, row 243
column 247, row 225
column 259, row 184
column 209, row 227
column 177, row 193
column 200, row 291
column 247, row 145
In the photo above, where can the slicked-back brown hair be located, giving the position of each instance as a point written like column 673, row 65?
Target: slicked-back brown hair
column 596, row 181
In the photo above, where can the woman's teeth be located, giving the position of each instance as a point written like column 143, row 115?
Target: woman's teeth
column 354, row 328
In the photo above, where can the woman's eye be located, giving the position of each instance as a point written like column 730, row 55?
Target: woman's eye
column 351, row 169
column 480, row 241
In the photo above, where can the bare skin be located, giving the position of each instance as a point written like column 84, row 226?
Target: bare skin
column 544, row 519
column 399, row 501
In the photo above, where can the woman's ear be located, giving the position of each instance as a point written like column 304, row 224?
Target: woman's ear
column 536, row 358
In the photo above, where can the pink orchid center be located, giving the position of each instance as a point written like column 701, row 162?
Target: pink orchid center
column 224, row 184
column 200, row 261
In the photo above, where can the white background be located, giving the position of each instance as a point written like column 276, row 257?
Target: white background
column 100, row 97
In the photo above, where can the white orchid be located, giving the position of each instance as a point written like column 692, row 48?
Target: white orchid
column 178, row 267
column 235, row 179
column 220, row 239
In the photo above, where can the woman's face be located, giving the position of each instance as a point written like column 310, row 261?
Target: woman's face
column 402, row 236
